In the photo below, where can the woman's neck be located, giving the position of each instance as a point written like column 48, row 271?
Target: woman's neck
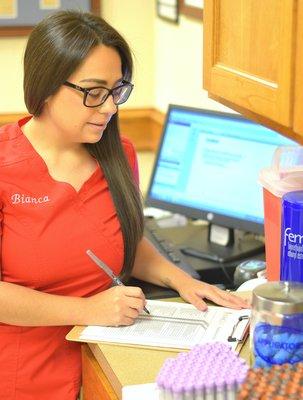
column 47, row 137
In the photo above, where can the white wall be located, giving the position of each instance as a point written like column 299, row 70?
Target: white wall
column 168, row 56
column 167, row 59
column 11, row 75
column 134, row 19
column 179, row 69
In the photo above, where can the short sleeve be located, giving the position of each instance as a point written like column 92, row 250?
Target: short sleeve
column 131, row 155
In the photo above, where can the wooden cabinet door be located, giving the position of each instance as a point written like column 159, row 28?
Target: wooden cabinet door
column 298, row 105
column 249, row 55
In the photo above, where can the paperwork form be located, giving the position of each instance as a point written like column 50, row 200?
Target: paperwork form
column 175, row 325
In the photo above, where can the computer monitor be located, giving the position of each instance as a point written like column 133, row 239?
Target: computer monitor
column 207, row 167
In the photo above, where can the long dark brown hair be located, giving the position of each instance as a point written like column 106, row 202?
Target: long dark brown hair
column 55, row 49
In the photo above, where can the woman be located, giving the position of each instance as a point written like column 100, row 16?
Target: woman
column 68, row 184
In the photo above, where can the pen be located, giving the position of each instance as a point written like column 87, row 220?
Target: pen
column 108, row 271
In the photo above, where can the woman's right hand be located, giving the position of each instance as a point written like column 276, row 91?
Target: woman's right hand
column 119, row 305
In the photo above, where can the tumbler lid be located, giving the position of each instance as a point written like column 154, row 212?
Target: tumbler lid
column 279, row 297
column 286, row 172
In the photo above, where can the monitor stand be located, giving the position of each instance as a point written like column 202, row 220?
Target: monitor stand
column 225, row 245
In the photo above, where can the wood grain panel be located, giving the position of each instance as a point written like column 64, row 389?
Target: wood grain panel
column 96, row 386
column 10, row 117
column 249, row 53
column 243, row 41
column 142, row 126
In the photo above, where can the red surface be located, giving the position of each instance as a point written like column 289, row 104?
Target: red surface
column 272, row 227
column 46, row 228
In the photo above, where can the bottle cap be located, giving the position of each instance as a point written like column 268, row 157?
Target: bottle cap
column 279, row 297
column 293, row 199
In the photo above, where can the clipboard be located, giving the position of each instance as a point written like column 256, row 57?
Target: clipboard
column 75, row 336
column 233, row 328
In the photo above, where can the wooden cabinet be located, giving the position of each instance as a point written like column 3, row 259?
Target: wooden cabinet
column 253, row 59
column 96, row 385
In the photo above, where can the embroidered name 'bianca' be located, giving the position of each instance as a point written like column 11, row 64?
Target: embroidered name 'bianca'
column 18, row 198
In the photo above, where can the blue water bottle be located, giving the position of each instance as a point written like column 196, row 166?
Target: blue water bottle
column 292, row 237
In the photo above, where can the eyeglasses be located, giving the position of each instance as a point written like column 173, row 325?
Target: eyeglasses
column 97, row 95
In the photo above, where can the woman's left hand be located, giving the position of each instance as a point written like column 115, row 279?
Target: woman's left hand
column 194, row 291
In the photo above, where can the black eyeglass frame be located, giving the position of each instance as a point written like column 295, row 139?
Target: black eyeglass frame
column 110, row 91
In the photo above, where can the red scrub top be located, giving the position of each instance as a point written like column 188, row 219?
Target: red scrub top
column 46, row 227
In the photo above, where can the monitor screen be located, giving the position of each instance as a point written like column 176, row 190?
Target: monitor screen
column 207, row 167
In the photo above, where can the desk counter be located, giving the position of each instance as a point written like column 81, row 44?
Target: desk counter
column 107, row 368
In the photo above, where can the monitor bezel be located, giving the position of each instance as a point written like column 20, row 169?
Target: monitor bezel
column 190, row 212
